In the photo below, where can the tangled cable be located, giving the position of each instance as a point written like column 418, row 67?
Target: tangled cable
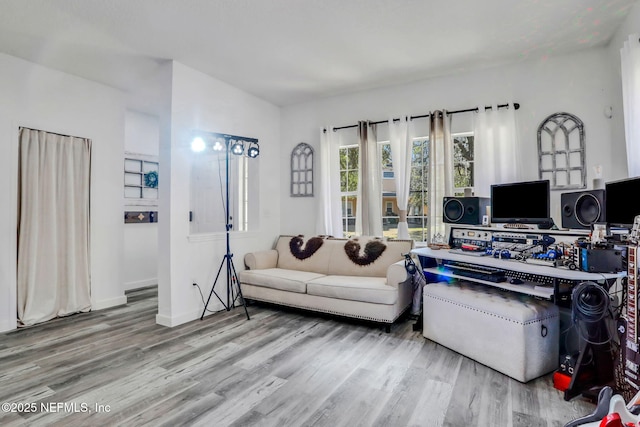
column 590, row 306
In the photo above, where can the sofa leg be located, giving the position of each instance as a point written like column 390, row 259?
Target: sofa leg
column 387, row 328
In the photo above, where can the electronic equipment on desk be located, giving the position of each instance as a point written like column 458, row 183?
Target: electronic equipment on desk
column 539, row 279
column 470, row 240
column 602, row 252
column 473, row 271
column 525, row 243
column 527, row 247
column 550, row 258
column 498, row 275
column 547, row 258
column 532, row 248
column 520, row 240
column 467, row 250
column 601, row 260
column 517, row 226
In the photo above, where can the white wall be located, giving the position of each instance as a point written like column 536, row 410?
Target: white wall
column 203, row 103
column 37, row 97
column 142, row 136
column 580, row 84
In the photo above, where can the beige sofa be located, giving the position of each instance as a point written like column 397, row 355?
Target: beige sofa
column 362, row 278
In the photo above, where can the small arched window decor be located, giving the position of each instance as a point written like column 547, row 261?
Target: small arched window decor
column 302, row 171
column 561, row 153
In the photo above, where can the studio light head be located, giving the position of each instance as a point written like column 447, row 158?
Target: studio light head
column 198, row 144
column 237, row 148
column 218, row 145
column 254, row 150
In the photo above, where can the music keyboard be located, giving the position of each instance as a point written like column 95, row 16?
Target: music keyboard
column 474, row 271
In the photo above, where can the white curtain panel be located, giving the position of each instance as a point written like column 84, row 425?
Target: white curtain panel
column 496, row 148
column 401, row 141
column 53, row 230
column 362, row 215
column 630, row 57
column 329, row 218
column 369, row 205
column 440, row 172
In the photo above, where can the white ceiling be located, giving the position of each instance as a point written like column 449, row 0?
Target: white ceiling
column 291, row 51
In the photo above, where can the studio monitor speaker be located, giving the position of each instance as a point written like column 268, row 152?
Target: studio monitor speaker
column 581, row 209
column 464, row 210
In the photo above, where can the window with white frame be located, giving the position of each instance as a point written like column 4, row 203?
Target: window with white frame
column 463, row 162
column 349, row 187
column 417, row 215
column 140, row 180
column 417, row 209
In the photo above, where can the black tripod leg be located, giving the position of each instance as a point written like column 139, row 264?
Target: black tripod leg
column 213, row 291
column 237, row 281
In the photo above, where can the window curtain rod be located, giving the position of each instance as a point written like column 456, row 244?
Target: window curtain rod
column 468, row 110
column 53, row 133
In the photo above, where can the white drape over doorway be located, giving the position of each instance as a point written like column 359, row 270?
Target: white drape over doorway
column 53, row 226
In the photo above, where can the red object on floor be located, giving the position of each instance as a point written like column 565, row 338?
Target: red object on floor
column 561, row 381
column 612, row 420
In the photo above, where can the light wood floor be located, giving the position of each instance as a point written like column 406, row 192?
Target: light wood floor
column 281, row 368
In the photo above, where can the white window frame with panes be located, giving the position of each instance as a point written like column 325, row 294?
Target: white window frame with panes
column 463, row 179
column 348, row 194
column 467, row 165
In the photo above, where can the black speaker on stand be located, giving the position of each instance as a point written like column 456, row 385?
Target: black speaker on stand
column 582, row 209
column 464, row 210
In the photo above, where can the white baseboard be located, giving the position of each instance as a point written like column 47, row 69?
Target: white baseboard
column 176, row 320
column 136, row 284
column 183, row 318
column 108, row 303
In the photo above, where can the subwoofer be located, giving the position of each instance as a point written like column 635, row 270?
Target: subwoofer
column 464, row 210
column 581, row 209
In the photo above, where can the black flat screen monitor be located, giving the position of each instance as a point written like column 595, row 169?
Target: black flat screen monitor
column 520, row 202
column 622, row 201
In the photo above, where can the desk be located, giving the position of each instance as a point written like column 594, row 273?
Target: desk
column 560, row 275
column 562, row 278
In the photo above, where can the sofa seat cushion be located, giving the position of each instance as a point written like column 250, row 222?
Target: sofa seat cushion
column 279, row 278
column 354, row 288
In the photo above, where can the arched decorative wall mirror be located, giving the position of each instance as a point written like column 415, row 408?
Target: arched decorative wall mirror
column 302, row 171
column 561, row 152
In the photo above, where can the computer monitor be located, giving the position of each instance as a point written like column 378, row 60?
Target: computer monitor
column 622, row 201
column 520, row 202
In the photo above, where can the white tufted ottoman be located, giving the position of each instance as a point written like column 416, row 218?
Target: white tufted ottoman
column 515, row 334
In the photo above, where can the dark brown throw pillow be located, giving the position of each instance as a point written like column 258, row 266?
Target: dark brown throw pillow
column 372, row 251
column 296, row 246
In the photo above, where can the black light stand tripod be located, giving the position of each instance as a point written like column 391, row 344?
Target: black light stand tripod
column 227, row 260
